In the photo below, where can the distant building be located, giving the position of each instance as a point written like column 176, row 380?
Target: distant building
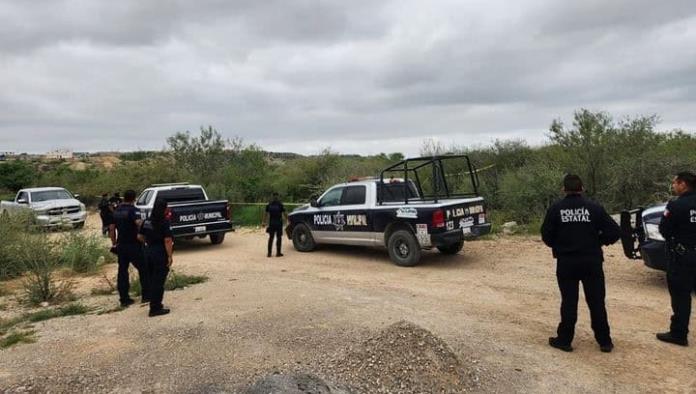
column 59, row 154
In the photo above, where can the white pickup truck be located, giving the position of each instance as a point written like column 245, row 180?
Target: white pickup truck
column 52, row 206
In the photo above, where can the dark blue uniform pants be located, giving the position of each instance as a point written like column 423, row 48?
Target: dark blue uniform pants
column 127, row 254
column 570, row 272
column 681, row 274
column 277, row 231
column 157, row 262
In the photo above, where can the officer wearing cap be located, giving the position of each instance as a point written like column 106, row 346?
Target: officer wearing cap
column 124, row 236
column 678, row 227
column 575, row 228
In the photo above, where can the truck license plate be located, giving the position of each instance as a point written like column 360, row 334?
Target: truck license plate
column 199, row 229
column 466, row 230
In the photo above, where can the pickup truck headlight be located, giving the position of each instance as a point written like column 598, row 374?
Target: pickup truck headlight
column 652, row 231
column 82, row 207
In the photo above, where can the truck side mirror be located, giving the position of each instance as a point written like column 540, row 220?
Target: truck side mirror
column 76, row 196
column 313, row 202
column 22, row 201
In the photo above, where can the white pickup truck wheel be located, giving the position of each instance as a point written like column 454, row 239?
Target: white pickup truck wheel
column 404, row 249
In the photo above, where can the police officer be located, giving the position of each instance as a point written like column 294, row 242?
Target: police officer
column 105, row 213
column 124, row 236
column 273, row 218
column 159, row 247
column 678, row 227
column 115, row 200
column 575, row 228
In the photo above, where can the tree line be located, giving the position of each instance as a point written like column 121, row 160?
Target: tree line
column 625, row 163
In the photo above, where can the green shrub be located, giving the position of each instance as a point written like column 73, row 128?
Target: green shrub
column 17, row 337
column 83, row 253
column 174, row 281
column 39, row 261
column 16, row 235
column 179, row 281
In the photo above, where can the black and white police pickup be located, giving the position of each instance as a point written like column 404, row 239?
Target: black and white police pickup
column 399, row 213
column 641, row 238
column 190, row 212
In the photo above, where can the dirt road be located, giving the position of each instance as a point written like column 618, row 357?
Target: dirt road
column 495, row 305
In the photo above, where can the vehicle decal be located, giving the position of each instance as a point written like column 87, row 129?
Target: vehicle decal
column 422, row 234
column 450, row 225
column 464, row 211
column 407, row 213
column 338, row 220
column 356, row 220
column 200, row 216
column 466, row 222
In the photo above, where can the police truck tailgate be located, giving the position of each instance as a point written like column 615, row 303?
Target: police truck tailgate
column 467, row 216
column 199, row 218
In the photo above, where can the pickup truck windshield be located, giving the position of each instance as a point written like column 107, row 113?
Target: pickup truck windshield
column 50, row 195
column 181, row 195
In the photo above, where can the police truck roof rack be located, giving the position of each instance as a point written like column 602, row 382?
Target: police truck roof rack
column 170, row 184
column 415, row 172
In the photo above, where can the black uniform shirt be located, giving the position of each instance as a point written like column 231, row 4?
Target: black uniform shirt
column 104, row 207
column 679, row 220
column 125, row 217
column 275, row 211
column 154, row 235
column 578, row 227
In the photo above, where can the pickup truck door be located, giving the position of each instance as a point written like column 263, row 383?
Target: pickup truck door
column 343, row 217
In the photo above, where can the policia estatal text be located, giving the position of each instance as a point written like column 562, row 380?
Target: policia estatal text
column 678, row 227
column 124, row 236
column 575, row 228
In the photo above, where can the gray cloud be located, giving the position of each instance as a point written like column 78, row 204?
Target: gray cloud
column 361, row 76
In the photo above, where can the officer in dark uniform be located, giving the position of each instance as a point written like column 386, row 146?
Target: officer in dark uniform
column 115, row 200
column 105, row 213
column 576, row 228
column 678, row 227
column 273, row 218
column 159, row 247
column 124, row 236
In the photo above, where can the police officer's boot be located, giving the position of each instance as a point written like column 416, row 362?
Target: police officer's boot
column 669, row 338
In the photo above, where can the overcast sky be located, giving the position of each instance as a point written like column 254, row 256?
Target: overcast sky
column 358, row 76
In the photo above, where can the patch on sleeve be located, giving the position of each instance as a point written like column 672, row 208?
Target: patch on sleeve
column 667, row 213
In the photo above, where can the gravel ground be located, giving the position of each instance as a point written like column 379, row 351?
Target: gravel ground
column 327, row 315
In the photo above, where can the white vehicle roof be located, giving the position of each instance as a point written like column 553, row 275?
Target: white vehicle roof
column 174, row 186
column 42, row 189
column 655, row 209
column 370, row 181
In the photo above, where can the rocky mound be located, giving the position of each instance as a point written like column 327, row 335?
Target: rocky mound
column 402, row 358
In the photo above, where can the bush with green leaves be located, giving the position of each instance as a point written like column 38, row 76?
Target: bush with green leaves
column 39, row 262
column 82, row 252
column 174, row 281
column 17, row 233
